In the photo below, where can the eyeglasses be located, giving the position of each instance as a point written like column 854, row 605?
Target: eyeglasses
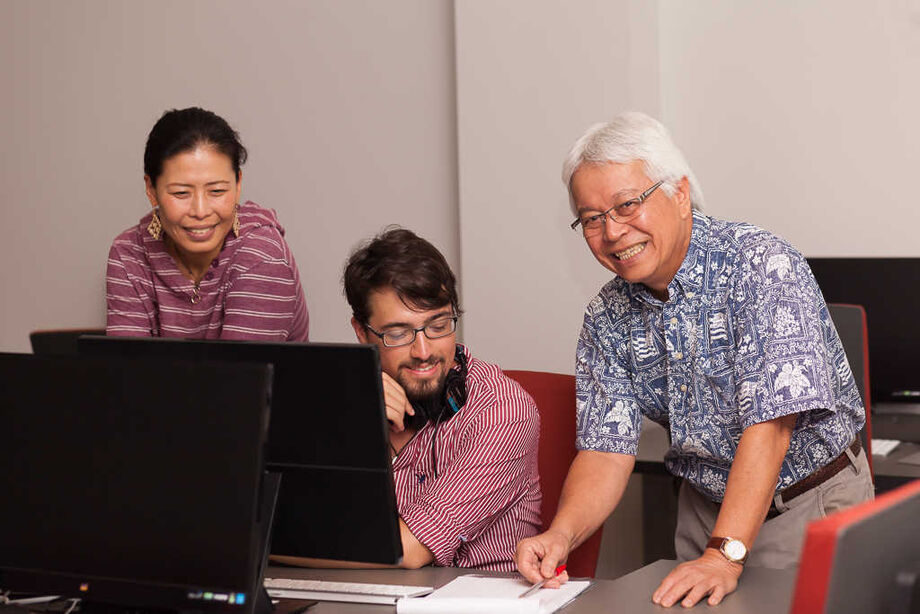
column 405, row 335
column 621, row 213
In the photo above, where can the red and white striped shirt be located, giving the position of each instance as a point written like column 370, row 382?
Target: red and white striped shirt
column 252, row 290
column 486, row 496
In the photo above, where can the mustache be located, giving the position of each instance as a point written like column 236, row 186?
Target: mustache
column 415, row 363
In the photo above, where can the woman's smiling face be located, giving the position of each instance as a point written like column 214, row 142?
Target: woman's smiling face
column 197, row 193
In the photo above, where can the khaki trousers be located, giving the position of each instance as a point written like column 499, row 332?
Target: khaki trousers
column 779, row 543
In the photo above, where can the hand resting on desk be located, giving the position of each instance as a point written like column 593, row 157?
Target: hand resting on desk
column 711, row 574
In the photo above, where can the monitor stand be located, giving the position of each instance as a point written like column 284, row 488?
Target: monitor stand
column 271, row 483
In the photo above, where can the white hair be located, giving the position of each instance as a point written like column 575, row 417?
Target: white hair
column 629, row 137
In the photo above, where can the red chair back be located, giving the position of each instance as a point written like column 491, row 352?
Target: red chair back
column 862, row 559
column 554, row 395
column 850, row 322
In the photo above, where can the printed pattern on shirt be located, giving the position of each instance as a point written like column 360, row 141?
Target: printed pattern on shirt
column 486, row 496
column 252, row 290
column 744, row 338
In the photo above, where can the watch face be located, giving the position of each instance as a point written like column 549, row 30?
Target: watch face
column 734, row 549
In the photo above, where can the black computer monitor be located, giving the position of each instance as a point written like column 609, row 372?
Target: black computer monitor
column 887, row 288
column 133, row 483
column 863, row 559
column 328, row 437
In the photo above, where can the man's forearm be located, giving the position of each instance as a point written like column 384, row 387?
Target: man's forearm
column 592, row 490
column 751, row 483
column 752, row 479
column 415, row 555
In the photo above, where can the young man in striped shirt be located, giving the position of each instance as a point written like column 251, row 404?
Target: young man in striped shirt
column 463, row 436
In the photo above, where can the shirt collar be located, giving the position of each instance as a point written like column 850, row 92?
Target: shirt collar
column 699, row 235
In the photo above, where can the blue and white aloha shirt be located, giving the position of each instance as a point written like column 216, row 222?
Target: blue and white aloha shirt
column 744, row 337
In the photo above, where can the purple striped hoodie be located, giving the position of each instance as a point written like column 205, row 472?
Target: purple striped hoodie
column 252, row 290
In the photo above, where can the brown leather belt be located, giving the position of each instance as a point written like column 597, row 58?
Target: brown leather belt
column 815, row 479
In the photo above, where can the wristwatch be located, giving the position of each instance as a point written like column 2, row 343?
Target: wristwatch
column 732, row 549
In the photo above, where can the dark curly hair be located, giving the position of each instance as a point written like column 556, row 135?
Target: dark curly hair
column 400, row 259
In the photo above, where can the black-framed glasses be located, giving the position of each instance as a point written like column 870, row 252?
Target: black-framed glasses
column 405, row 335
column 620, row 213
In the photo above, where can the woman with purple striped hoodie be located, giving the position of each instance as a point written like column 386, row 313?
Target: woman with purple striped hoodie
column 201, row 265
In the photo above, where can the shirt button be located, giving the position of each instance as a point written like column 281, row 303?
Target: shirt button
column 673, row 321
column 209, row 276
column 678, row 355
column 689, row 294
column 683, row 387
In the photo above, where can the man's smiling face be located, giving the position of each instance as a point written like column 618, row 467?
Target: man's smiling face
column 650, row 247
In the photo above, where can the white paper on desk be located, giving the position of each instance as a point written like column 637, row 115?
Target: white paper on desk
column 485, row 595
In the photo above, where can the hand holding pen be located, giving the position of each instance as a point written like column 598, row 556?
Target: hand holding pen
column 538, row 585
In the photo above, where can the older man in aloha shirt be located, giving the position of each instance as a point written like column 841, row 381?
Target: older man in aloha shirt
column 745, row 338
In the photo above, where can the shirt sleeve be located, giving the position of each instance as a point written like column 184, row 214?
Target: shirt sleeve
column 126, row 313
column 266, row 303
column 783, row 364
column 609, row 419
column 488, row 477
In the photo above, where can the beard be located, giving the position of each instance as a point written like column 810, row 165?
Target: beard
column 426, row 400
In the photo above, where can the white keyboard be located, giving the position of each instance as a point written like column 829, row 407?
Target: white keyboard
column 883, row 447
column 353, row 592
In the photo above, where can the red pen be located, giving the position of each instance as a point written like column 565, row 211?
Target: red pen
column 533, row 589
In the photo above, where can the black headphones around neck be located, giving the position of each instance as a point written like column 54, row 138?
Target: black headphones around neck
column 455, row 385
column 450, row 401
column 453, row 401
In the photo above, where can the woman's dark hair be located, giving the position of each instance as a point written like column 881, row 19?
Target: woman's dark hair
column 400, row 259
column 182, row 130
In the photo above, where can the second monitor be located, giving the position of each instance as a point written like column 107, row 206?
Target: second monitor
column 328, row 437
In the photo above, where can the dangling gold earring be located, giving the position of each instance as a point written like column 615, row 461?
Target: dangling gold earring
column 154, row 228
column 236, row 220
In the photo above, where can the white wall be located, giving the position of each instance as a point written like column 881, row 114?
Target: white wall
column 347, row 108
column 801, row 117
column 531, row 77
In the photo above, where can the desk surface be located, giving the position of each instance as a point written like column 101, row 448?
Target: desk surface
column 761, row 591
column 889, row 471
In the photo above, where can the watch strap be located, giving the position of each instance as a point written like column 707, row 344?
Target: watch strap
column 717, row 542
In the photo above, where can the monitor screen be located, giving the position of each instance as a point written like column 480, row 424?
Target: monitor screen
column 887, row 289
column 132, row 482
column 328, row 437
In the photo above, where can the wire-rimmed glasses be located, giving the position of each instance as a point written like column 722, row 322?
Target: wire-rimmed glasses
column 620, row 213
